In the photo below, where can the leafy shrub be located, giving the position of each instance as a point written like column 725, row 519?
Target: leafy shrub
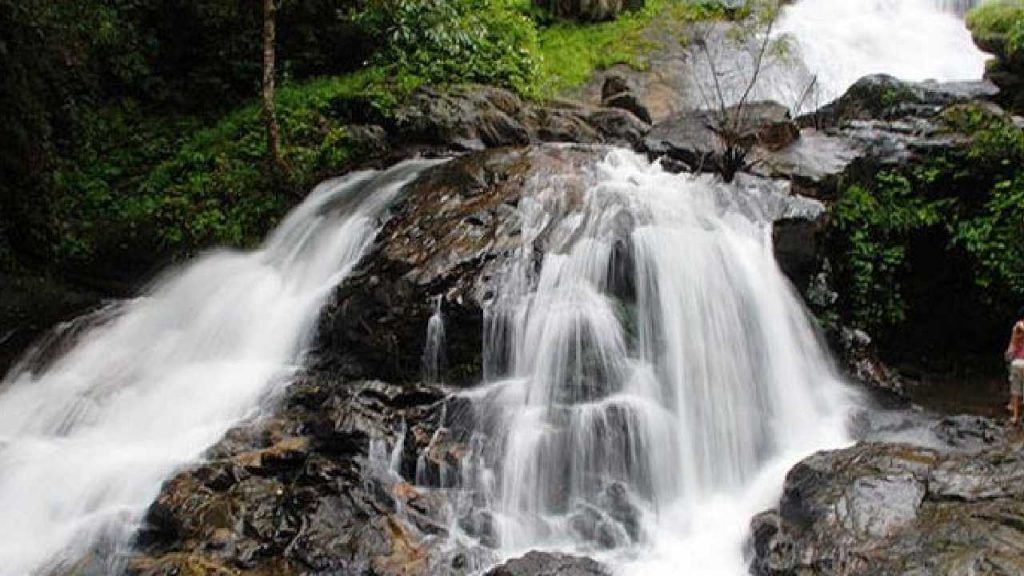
column 951, row 225
column 440, row 41
column 998, row 26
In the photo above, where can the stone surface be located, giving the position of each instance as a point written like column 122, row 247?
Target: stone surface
column 618, row 93
column 699, row 138
column 896, row 509
column 476, row 117
column 304, row 492
column 549, row 564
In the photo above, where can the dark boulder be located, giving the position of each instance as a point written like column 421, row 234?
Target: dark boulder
column 474, row 117
column 895, row 509
column 549, row 564
column 303, row 492
column 448, row 237
column 618, row 93
column 700, row 138
column 883, row 97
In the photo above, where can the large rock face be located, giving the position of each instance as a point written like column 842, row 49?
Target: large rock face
column 453, row 235
column 896, row 509
column 309, row 491
column 450, row 236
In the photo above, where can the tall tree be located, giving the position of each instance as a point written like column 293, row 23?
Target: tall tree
column 269, row 114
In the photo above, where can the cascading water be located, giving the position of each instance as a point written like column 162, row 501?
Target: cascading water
column 654, row 367
column 86, row 440
column 839, row 41
column 434, row 362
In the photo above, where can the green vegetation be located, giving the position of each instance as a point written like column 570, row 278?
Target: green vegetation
column 968, row 202
column 484, row 41
column 168, row 186
column 131, row 134
column 998, row 25
column 570, row 52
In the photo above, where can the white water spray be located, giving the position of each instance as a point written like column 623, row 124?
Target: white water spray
column 655, row 369
column 86, row 442
column 840, row 41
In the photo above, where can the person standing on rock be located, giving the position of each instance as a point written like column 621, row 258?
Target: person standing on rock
column 1015, row 356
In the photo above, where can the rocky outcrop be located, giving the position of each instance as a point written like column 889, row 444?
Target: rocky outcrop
column 549, row 564
column 701, row 139
column 450, row 237
column 453, row 236
column 474, row 117
column 309, row 490
column 883, row 97
column 993, row 35
column 897, row 509
column 617, row 92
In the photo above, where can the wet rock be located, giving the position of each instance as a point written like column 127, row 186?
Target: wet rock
column 862, row 362
column 549, row 564
column 617, row 93
column 895, row 509
column 621, row 509
column 301, row 492
column 594, row 525
column 475, row 117
column 449, row 237
column 698, row 138
column 814, row 163
column 797, row 246
column 971, row 433
column 480, row 524
column 883, row 97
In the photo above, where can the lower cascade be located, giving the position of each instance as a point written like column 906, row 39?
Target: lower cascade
column 649, row 373
column 87, row 437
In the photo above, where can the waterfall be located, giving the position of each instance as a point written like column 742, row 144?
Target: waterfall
column 87, row 439
column 839, row 41
column 655, row 360
column 434, row 361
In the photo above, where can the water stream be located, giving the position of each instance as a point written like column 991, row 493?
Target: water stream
column 839, row 41
column 655, row 373
column 87, row 439
column 648, row 382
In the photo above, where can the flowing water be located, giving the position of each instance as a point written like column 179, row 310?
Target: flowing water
column 87, row 439
column 648, row 382
column 839, row 41
column 654, row 376
column 821, row 47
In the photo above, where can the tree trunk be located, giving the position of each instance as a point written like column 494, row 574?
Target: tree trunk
column 269, row 114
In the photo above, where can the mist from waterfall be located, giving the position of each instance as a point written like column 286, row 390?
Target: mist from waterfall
column 655, row 366
column 87, row 437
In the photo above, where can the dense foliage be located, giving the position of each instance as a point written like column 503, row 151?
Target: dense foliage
column 483, row 41
column 968, row 203
column 998, row 25
column 130, row 135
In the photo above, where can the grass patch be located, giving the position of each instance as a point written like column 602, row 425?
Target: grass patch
column 570, row 52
